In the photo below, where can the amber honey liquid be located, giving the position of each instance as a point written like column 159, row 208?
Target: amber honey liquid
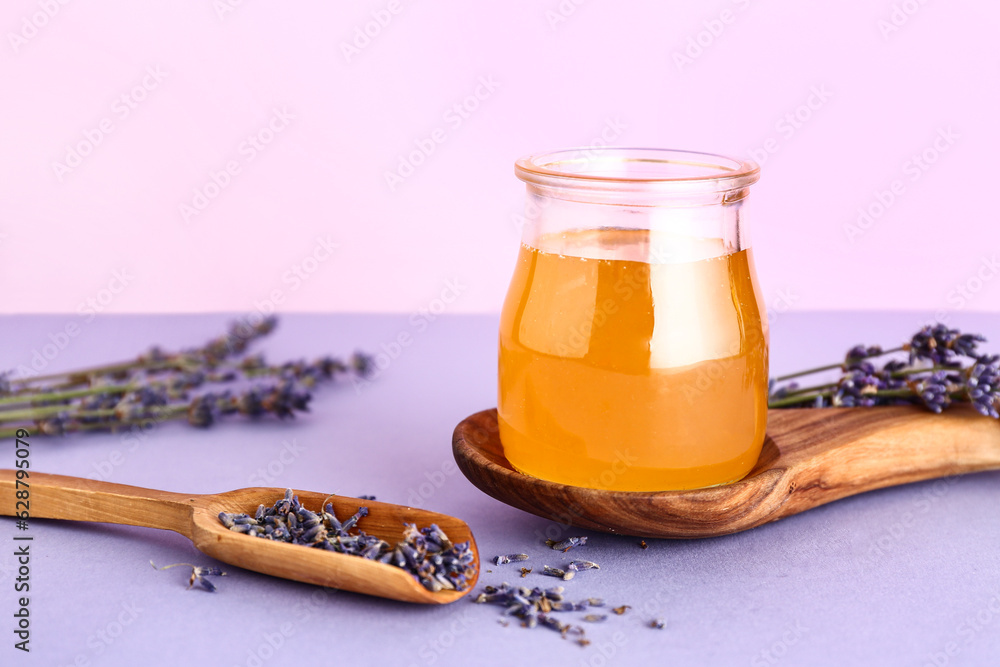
column 629, row 373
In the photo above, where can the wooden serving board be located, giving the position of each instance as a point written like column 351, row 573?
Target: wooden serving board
column 810, row 457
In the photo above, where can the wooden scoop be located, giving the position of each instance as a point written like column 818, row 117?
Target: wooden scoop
column 810, row 457
column 196, row 517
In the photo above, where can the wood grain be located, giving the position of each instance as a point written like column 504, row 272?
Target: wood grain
column 196, row 517
column 810, row 457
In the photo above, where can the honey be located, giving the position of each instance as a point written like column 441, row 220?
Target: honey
column 627, row 369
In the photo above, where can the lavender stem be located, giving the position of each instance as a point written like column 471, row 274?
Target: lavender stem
column 831, row 367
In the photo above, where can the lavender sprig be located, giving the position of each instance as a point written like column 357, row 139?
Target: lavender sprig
column 159, row 386
column 983, row 386
column 934, row 375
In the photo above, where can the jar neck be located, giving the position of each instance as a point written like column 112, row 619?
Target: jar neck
column 678, row 228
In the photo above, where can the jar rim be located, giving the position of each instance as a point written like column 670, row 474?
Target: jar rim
column 654, row 170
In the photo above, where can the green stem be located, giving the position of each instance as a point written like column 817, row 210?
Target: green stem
column 831, row 367
column 100, row 426
column 175, row 362
column 795, row 400
column 916, row 371
column 21, row 399
column 43, row 412
column 805, row 390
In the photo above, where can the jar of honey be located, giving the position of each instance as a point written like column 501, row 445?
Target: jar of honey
column 633, row 338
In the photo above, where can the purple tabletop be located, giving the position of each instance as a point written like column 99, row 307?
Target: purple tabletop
column 902, row 576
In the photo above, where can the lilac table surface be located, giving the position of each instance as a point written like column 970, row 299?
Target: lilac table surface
column 901, row 576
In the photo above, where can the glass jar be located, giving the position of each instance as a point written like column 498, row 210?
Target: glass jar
column 633, row 339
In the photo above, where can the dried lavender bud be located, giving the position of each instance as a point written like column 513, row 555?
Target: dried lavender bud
column 52, row 426
column 643, row 545
column 427, row 554
column 198, row 574
column 935, row 391
column 362, row 363
column 942, row 345
column 556, row 572
column 510, row 558
column 657, row 624
column 595, row 618
column 858, row 388
column 983, row 386
column 567, row 544
column 580, row 565
column 622, row 609
column 201, row 412
column 525, row 571
column 859, row 353
column 785, row 391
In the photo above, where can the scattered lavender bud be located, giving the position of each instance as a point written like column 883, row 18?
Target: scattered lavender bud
column 198, row 574
column 622, row 609
column 595, row 618
column 510, row 558
column 859, row 353
column 525, row 571
column 567, row 544
column 580, row 565
column 556, row 572
column 657, row 624
column 935, row 391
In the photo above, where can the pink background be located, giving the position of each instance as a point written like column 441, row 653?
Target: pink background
column 313, row 197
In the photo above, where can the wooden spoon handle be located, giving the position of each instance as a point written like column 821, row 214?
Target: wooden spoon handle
column 80, row 499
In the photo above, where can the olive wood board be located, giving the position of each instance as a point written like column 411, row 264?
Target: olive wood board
column 810, row 457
